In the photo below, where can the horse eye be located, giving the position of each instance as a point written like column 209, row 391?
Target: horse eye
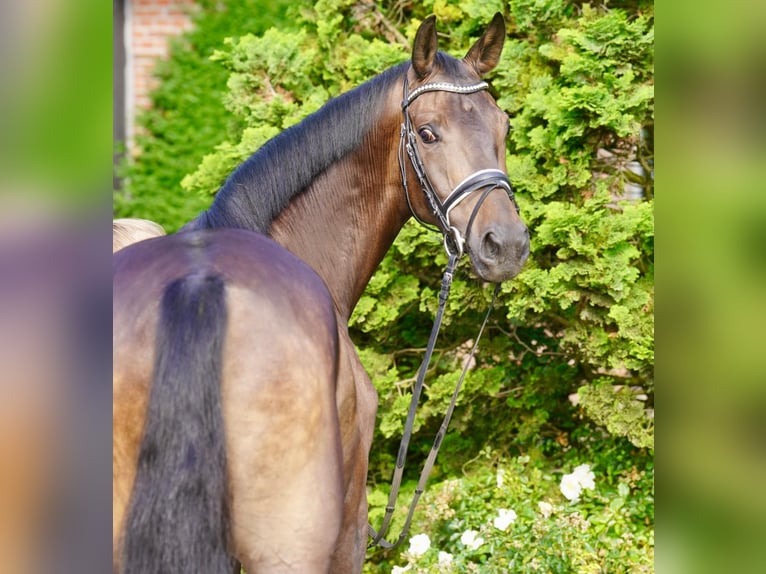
column 427, row 135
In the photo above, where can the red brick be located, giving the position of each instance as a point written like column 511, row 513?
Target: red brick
column 153, row 22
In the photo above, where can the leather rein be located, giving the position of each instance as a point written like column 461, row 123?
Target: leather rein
column 454, row 244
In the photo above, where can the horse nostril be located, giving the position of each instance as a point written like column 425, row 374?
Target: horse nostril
column 490, row 248
column 500, row 252
column 499, row 246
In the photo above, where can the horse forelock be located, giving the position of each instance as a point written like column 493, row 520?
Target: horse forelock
column 265, row 183
column 456, row 70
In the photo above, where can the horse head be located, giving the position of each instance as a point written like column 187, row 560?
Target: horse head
column 454, row 134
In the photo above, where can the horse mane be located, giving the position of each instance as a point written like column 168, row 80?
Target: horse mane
column 262, row 186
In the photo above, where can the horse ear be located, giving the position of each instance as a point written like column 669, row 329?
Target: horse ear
column 485, row 53
column 424, row 48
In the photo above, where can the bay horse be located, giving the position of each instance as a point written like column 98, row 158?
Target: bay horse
column 242, row 415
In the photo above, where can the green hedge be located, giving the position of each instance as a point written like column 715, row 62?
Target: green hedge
column 187, row 118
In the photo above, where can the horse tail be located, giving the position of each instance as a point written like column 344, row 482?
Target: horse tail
column 178, row 519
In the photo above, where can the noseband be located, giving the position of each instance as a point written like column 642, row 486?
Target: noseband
column 487, row 179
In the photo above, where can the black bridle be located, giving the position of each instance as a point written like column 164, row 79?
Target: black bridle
column 487, row 180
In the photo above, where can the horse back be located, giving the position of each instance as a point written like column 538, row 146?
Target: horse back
column 260, row 275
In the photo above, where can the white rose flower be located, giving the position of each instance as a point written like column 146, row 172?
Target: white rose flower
column 545, row 508
column 570, row 486
column 504, row 519
column 400, row 569
column 581, row 478
column 419, row 544
column 585, row 476
column 445, row 558
column 472, row 539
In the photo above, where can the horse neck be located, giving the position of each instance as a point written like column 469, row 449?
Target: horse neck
column 348, row 217
column 328, row 190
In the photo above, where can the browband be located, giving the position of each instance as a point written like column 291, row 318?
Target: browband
column 443, row 87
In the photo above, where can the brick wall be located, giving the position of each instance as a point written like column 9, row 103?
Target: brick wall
column 148, row 26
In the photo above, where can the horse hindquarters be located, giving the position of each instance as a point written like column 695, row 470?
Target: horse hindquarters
column 284, row 445
column 267, row 400
column 177, row 520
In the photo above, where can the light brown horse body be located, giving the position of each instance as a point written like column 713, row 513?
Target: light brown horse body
column 295, row 406
column 128, row 231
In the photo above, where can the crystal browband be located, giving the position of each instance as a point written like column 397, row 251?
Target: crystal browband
column 444, row 87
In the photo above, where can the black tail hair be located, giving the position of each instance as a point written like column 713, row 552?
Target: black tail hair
column 178, row 518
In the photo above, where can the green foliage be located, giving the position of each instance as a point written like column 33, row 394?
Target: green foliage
column 187, row 117
column 564, row 374
column 620, row 410
column 279, row 78
column 594, row 272
column 604, row 530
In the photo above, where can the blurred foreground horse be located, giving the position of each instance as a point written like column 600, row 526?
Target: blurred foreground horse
column 129, row 231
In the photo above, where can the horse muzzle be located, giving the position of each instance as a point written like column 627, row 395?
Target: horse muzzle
column 499, row 252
